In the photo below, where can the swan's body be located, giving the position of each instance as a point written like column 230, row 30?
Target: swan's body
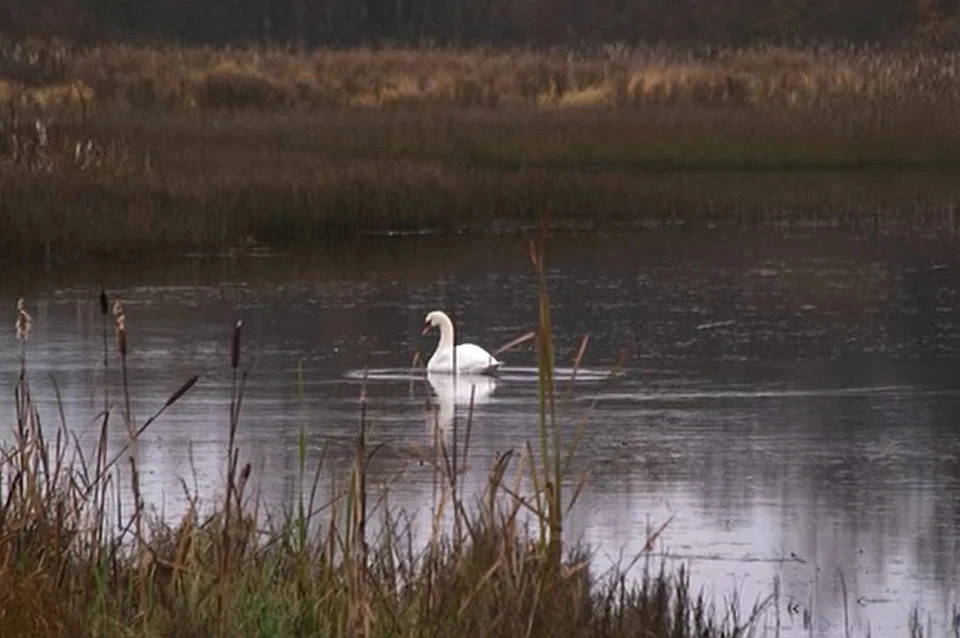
column 467, row 358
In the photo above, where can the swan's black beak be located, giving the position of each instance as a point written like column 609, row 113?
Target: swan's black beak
column 426, row 329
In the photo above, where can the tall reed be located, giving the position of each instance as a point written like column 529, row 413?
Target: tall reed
column 551, row 476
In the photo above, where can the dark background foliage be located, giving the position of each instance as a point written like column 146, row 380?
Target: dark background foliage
column 472, row 22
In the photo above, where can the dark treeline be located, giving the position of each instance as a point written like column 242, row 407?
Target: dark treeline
column 471, row 22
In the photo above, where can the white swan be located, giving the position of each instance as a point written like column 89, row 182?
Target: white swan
column 466, row 358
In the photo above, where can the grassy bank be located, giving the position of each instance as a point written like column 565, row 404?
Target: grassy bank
column 201, row 78
column 166, row 149
column 75, row 563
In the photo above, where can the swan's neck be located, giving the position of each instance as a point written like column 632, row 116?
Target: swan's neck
column 446, row 334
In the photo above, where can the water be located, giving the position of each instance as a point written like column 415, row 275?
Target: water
column 787, row 406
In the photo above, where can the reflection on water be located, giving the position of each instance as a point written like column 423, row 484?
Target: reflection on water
column 787, row 404
column 453, row 391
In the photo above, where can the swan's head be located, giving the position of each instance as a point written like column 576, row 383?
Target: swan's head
column 434, row 320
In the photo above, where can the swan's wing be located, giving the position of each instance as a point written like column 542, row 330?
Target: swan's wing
column 471, row 357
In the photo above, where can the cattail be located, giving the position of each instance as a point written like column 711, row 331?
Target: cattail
column 104, row 304
column 189, row 383
column 242, row 480
column 120, row 319
column 24, row 322
column 235, row 345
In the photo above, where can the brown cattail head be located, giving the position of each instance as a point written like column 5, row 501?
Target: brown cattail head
column 120, row 319
column 235, row 344
column 189, row 383
column 122, row 341
column 104, row 304
column 24, row 322
column 242, row 480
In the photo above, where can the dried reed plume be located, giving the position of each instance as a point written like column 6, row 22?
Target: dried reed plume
column 120, row 323
column 24, row 321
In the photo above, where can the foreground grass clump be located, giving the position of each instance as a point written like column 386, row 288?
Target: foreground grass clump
column 123, row 149
column 79, row 556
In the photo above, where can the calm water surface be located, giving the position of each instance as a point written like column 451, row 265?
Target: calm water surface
column 789, row 405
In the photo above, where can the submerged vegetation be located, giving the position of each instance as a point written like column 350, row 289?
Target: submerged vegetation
column 81, row 556
column 125, row 149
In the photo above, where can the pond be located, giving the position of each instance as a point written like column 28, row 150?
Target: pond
column 785, row 408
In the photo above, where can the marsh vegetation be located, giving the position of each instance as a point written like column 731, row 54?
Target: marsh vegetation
column 124, row 149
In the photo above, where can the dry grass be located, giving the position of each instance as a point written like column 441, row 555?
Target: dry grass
column 72, row 563
column 275, row 78
column 121, row 149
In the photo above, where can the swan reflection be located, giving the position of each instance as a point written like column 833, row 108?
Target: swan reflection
column 453, row 394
